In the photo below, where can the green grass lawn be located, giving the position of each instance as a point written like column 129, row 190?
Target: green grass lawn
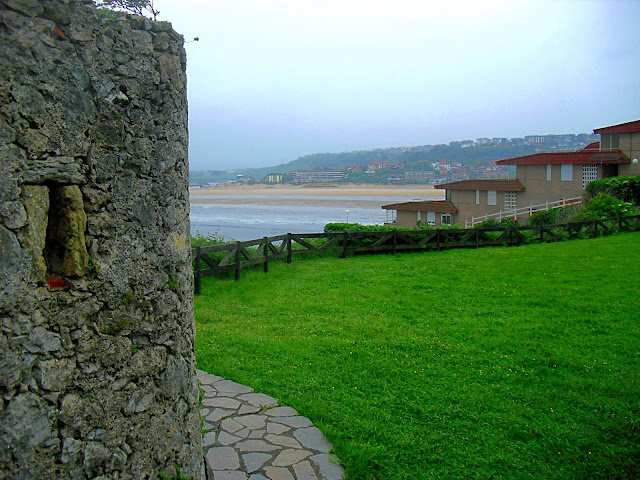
column 510, row 363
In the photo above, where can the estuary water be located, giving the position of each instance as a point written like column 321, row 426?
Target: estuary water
column 248, row 217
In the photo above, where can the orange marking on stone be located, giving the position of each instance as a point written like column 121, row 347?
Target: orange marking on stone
column 61, row 33
column 56, row 282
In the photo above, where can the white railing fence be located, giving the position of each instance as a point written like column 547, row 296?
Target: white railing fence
column 523, row 212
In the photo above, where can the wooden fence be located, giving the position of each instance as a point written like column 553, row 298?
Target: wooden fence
column 233, row 257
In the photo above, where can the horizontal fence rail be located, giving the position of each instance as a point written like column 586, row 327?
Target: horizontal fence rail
column 233, row 257
column 523, row 212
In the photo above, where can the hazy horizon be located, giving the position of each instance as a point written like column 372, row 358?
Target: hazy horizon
column 269, row 82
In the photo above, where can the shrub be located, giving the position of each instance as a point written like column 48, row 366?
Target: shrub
column 604, row 205
column 137, row 7
column 624, row 188
column 199, row 240
column 491, row 222
column 548, row 217
column 357, row 227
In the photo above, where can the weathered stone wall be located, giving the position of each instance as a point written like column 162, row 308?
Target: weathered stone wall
column 97, row 371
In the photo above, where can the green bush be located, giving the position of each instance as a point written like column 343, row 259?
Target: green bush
column 624, row 188
column 199, row 240
column 549, row 217
column 604, row 205
column 357, row 227
column 491, row 222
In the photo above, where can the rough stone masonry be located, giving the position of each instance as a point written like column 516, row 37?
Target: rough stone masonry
column 97, row 370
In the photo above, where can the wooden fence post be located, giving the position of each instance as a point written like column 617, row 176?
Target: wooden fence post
column 288, row 248
column 197, row 269
column 438, row 238
column 345, row 245
column 266, row 255
column 395, row 241
column 595, row 228
column 237, row 272
column 477, row 237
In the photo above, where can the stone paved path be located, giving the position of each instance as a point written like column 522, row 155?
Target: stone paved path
column 254, row 438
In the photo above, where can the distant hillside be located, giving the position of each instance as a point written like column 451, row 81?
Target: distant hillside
column 407, row 155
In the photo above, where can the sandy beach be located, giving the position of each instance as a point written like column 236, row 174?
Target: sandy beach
column 242, row 194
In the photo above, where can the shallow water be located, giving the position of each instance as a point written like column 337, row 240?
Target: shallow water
column 248, row 221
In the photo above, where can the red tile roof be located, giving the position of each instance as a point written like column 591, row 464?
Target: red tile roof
column 488, row 184
column 592, row 147
column 582, row 157
column 437, row 206
column 629, row 127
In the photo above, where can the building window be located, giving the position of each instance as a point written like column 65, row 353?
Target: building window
column 447, row 195
column 609, row 141
column 548, row 173
column 566, row 173
column 589, row 174
column 418, row 217
column 431, row 218
column 477, row 197
column 491, row 197
column 446, row 219
column 510, row 201
column 513, row 172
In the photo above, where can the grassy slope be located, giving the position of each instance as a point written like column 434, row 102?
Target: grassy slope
column 496, row 363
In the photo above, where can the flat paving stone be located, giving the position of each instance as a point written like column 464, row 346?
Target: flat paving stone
column 254, row 461
column 222, row 402
column 207, row 378
column 281, row 412
column 230, row 425
column 218, row 414
column 258, row 399
column 286, row 458
column 256, row 446
column 248, row 409
column 209, row 439
column 297, row 422
column 222, row 458
column 232, row 387
column 304, row 471
column 237, row 475
column 276, row 428
column 328, row 466
column 282, row 440
column 253, row 422
column 227, row 439
column 255, row 438
column 312, row 437
column 278, row 473
column 257, row 434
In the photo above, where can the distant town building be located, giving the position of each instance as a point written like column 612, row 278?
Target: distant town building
column 273, row 178
column 418, row 177
column 395, row 178
column 316, row 176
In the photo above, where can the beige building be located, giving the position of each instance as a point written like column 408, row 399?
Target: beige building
column 534, row 180
column 412, row 214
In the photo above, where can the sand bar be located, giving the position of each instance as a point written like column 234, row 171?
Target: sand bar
column 236, row 192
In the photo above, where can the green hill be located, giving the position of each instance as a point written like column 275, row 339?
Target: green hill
column 410, row 156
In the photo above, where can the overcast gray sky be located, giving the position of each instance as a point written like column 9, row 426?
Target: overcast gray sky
column 271, row 80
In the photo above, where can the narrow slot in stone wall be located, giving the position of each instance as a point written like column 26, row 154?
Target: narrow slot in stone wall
column 97, row 368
